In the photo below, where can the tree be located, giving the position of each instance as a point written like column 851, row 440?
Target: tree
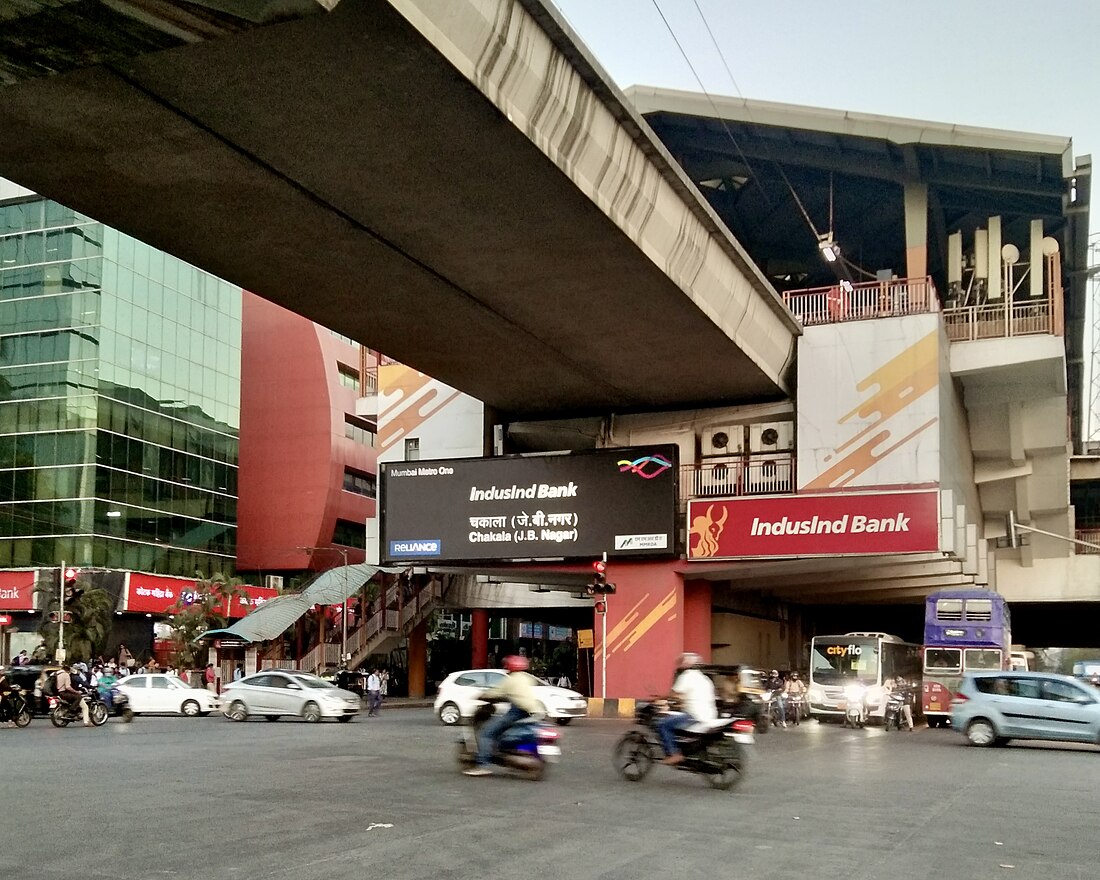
column 92, row 616
column 199, row 611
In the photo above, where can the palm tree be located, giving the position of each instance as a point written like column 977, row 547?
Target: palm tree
column 212, row 597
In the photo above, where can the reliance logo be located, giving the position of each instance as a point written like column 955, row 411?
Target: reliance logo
column 422, row 547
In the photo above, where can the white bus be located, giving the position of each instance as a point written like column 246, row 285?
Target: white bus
column 855, row 666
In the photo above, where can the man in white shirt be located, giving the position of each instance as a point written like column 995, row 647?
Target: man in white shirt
column 695, row 693
column 374, row 693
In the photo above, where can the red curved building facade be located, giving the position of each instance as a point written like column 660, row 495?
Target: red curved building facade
column 307, row 463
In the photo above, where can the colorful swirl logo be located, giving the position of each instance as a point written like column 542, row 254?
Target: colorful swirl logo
column 647, row 467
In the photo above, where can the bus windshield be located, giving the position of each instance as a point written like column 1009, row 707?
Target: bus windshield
column 943, row 659
column 983, row 658
column 844, row 662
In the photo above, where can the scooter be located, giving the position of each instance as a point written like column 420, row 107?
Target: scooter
column 715, row 749
column 894, row 715
column 19, row 710
column 528, row 746
column 855, row 710
column 120, row 705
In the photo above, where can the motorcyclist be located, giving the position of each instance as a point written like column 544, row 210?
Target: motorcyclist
column 5, row 698
column 795, row 693
column 518, row 689
column 694, row 692
column 68, row 692
column 776, row 686
column 901, row 688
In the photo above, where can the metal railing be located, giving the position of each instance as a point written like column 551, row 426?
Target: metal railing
column 747, row 475
column 863, row 301
column 1090, row 535
column 1000, row 320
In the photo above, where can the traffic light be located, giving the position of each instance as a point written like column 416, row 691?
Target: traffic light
column 57, row 617
column 69, row 578
column 601, row 607
column 599, row 585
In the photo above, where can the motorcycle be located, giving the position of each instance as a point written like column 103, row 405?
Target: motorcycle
column 19, row 710
column 715, row 749
column 62, row 713
column 528, row 745
column 796, row 709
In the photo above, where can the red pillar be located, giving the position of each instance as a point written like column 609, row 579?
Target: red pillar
column 418, row 659
column 479, row 638
column 697, row 617
column 645, row 626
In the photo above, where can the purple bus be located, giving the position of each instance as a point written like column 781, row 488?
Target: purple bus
column 964, row 630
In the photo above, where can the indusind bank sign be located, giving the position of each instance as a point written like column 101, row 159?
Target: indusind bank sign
column 843, row 524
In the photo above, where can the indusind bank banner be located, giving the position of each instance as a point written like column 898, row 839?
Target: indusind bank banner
column 848, row 524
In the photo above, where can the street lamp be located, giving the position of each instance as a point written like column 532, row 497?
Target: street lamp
column 343, row 605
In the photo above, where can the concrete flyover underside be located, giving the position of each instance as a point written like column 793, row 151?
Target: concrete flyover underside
column 453, row 183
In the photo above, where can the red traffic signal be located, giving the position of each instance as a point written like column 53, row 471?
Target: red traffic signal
column 599, row 566
column 71, row 574
column 601, row 607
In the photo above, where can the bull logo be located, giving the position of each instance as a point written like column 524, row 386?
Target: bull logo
column 708, row 530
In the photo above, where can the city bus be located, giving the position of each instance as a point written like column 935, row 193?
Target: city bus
column 856, row 665
column 965, row 630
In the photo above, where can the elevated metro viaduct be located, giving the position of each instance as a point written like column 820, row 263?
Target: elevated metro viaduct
column 479, row 191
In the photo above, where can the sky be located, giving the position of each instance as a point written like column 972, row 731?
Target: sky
column 1007, row 64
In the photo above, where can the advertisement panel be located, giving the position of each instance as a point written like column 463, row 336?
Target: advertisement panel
column 17, row 590
column 618, row 501
column 850, row 524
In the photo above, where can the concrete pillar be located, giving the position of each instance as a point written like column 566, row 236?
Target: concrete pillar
column 479, row 638
column 916, row 230
column 697, row 617
column 418, row 660
column 645, row 627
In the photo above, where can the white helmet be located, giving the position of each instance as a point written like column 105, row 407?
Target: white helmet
column 688, row 660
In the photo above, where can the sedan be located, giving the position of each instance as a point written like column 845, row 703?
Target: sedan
column 151, row 693
column 277, row 692
column 460, row 692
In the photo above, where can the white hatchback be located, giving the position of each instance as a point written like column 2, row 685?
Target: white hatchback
column 153, row 692
column 460, row 692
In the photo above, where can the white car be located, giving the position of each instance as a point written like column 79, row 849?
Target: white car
column 460, row 692
column 152, row 692
column 277, row 692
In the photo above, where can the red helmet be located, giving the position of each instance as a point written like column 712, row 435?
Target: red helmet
column 516, row 663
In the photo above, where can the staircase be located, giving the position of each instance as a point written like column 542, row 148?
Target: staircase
column 385, row 625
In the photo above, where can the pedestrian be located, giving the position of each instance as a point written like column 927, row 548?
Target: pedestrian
column 209, row 678
column 238, row 673
column 22, row 659
column 385, row 689
column 125, row 658
column 374, row 693
column 564, row 682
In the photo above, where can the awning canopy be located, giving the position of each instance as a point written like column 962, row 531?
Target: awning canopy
column 277, row 615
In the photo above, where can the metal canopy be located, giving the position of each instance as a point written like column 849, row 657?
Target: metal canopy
column 277, row 615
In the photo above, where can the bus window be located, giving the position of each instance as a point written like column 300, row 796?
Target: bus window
column 982, row 658
column 949, row 609
column 943, row 660
column 979, row 610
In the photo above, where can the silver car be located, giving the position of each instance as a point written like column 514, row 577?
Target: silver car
column 277, row 692
column 991, row 708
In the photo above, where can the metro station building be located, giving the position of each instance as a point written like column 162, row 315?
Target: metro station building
column 937, row 276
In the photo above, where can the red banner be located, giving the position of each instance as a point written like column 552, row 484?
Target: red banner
column 849, row 524
column 155, row 594
column 5, row 620
column 17, row 590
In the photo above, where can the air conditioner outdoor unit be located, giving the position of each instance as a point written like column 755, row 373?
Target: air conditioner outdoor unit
column 769, row 474
column 771, row 437
column 724, row 440
column 273, row 581
column 719, row 476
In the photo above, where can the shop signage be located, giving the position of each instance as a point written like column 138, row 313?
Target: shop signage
column 5, row 620
column 157, row 594
column 848, row 524
column 17, row 590
column 618, row 501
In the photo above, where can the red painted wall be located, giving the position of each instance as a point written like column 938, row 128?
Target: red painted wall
column 645, row 624
column 293, row 450
column 697, row 616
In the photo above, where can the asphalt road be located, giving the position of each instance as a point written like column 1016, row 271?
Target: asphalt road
column 208, row 798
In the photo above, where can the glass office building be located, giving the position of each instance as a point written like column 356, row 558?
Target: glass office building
column 119, row 400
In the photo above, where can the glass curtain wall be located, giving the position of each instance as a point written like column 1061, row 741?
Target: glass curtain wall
column 119, row 400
